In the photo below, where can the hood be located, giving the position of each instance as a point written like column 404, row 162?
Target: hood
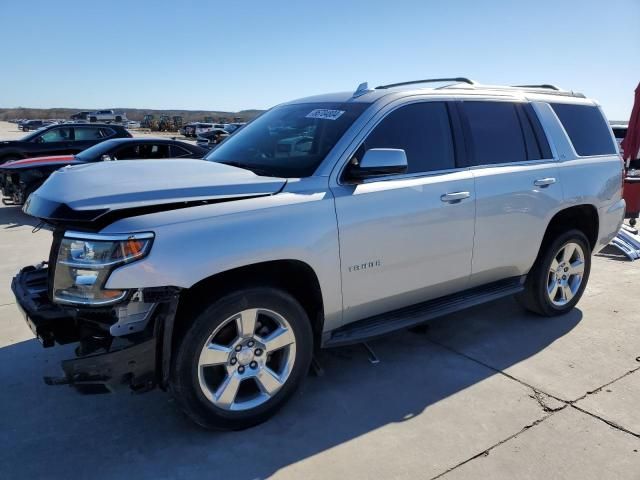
column 40, row 161
column 94, row 195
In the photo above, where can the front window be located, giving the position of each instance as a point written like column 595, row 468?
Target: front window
column 55, row 135
column 288, row 141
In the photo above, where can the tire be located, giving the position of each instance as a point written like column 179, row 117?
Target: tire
column 552, row 293
column 257, row 396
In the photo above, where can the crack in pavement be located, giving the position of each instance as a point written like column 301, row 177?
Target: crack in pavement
column 549, row 404
column 486, row 452
column 608, row 422
column 597, row 390
column 497, row 370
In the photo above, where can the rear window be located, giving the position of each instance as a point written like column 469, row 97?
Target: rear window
column 620, row 132
column 587, row 129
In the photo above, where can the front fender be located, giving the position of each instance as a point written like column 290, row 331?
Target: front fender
column 287, row 226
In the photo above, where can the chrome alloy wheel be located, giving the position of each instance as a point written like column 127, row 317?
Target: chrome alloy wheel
column 565, row 274
column 247, row 359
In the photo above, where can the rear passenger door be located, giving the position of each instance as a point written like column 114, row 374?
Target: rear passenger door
column 402, row 240
column 516, row 183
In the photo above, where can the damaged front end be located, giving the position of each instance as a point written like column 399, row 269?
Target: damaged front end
column 120, row 343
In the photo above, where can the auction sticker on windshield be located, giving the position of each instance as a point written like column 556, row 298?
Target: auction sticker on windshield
column 325, row 114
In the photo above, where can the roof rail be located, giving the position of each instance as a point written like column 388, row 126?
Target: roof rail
column 428, row 80
column 544, row 85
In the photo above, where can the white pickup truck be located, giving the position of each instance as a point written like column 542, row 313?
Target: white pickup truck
column 107, row 116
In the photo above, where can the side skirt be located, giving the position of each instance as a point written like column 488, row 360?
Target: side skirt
column 407, row 317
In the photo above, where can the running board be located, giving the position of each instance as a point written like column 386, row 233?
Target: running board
column 413, row 315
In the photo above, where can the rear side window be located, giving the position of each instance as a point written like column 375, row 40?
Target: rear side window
column 179, row 152
column 496, row 133
column 92, row 133
column 587, row 129
column 422, row 130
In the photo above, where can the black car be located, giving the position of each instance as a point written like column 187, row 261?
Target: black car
column 62, row 139
column 21, row 177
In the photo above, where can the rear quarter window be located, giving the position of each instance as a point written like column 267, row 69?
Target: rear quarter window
column 587, row 129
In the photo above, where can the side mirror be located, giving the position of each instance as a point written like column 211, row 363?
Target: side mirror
column 378, row 162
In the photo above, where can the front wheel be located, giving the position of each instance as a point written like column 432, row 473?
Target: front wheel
column 558, row 278
column 242, row 358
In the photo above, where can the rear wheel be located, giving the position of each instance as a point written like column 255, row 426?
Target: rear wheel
column 558, row 279
column 242, row 358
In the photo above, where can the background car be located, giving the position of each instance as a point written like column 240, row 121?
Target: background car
column 21, row 177
column 211, row 138
column 64, row 139
column 106, row 116
column 35, row 124
column 619, row 131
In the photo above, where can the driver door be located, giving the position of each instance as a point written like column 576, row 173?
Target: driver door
column 401, row 240
column 56, row 141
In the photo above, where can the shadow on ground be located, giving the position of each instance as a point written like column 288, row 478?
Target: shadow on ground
column 53, row 431
column 12, row 217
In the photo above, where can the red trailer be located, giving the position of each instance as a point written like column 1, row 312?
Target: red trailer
column 631, row 195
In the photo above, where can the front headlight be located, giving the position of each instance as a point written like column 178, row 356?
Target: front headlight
column 85, row 262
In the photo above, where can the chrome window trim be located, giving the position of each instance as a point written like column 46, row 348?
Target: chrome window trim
column 523, row 163
column 408, row 176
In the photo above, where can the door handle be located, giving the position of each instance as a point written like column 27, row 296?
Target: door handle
column 544, row 182
column 454, row 197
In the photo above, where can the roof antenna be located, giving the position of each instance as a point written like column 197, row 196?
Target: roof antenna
column 361, row 90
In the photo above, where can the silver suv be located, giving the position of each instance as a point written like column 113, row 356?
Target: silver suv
column 326, row 221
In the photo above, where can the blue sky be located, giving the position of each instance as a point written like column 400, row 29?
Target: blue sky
column 254, row 54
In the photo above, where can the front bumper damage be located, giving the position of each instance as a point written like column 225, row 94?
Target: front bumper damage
column 128, row 344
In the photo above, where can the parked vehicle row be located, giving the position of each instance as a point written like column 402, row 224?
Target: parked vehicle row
column 19, row 178
column 196, row 129
column 59, row 139
column 326, row 221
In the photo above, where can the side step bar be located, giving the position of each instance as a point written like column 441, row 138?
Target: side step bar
column 413, row 315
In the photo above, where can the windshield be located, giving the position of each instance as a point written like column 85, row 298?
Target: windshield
column 288, row 141
column 94, row 153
